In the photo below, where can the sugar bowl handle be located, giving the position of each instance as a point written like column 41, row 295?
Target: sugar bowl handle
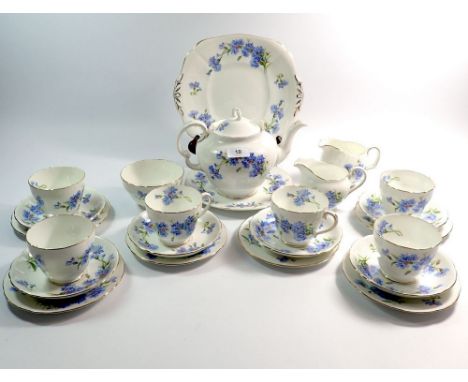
column 186, row 153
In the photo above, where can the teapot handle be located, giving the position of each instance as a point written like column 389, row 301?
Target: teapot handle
column 184, row 152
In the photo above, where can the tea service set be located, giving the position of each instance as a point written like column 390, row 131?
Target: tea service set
column 238, row 96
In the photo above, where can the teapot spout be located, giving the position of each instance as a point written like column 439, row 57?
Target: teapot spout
column 285, row 141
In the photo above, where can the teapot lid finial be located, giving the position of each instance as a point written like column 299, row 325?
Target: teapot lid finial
column 236, row 114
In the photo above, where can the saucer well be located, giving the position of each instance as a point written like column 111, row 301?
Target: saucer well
column 263, row 228
column 439, row 276
column 205, row 254
column 275, row 179
column 411, row 305
column 27, row 277
column 57, row 306
column 368, row 221
column 256, row 250
column 28, row 212
column 144, row 235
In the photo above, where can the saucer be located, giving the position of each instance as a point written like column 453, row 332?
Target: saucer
column 274, row 180
column 371, row 204
column 263, row 228
column 56, row 306
column 410, row 305
column 143, row 234
column 28, row 278
column 205, row 254
column 28, row 212
column 259, row 252
column 368, row 222
column 438, row 277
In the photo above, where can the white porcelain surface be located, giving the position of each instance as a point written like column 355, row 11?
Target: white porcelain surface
column 263, row 228
column 57, row 306
column 205, row 254
column 349, row 154
column 142, row 176
column 405, row 191
column 254, row 249
column 236, row 154
column 409, row 305
column 407, row 245
column 175, row 210
column 28, row 212
column 61, row 246
column 28, row 278
column 253, row 73
column 334, row 181
column 439, row 276
column 144, row 235
column 299, row 211
column 58, row 190
column 275, row 179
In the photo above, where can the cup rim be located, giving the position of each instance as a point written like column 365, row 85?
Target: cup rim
column 434, row 229
column 387, row 172
column 55, row 217
column 327, row 143
column 82, row 177
column 325, row 207
column 122, row 176
column 153, row 191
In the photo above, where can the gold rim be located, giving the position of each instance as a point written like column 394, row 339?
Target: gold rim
column 405, row 191
column 151, row 186
column 83, row 175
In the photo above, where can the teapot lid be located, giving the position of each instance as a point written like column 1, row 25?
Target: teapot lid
column 235, row 127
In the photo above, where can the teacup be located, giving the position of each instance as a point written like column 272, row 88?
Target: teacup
column 174, row 211
column 407, row 245
column 140, row 177
column 60, row 245
column 349, row 154
column 58, row 190
column 299, row 212
column 334, row 181
column 405, row 191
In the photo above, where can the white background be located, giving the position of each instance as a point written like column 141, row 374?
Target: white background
column 95, row 91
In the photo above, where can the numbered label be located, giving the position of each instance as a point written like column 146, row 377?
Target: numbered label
column 237, row 152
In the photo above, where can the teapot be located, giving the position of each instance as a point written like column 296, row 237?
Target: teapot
column 236, row 153
column 334, row 181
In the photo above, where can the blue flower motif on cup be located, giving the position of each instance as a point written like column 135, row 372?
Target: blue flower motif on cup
column 280, row 81
column 34, row 212
column 358, row 174
column 275, row 181
column 334, row 197
column 302, row 196
column 386, row 227
column 408, row 205
column 37, row 185
column 71, row 203
column 243, row 49
column 299, row 230
column 141, row 195
column 277, row 113
column 170, row 194
column 256, row 164
column 86, row 198
column 79, row 261
column 204, row 117
column 177, row 228
column 408, row 261
column 194, row 87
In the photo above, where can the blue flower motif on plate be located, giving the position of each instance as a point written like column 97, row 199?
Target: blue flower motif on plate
column 280, row 81
column 194, row 87
column 204, row 117
column 277, row 113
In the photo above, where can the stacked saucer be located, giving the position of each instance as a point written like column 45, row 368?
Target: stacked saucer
column 66, row 267
column 58, row 190
column 178, row 232
column 265, row 235
column 410, row 280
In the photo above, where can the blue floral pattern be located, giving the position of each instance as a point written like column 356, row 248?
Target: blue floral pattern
column 258, row 56
column 277, row 113
column 373, row 206
column 280, row 81
column 302, row 196
column 170, row 194
column 204, row 117
column 256, row 164
column 222, row 126
column 79, row 261
column 334, row 197
column 145, row 228
column 411, row 205
column 26, row 284
column 386, row 227
column 275, row 181
column 86, row 198
column 71, row 203
column 34, row 213
column 194, row 87
column 300, row 230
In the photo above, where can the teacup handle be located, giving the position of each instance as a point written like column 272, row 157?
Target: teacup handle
column 376, row 160
column 207, row 199
column 360, row 182
column 335, row 222
column 184, row 152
